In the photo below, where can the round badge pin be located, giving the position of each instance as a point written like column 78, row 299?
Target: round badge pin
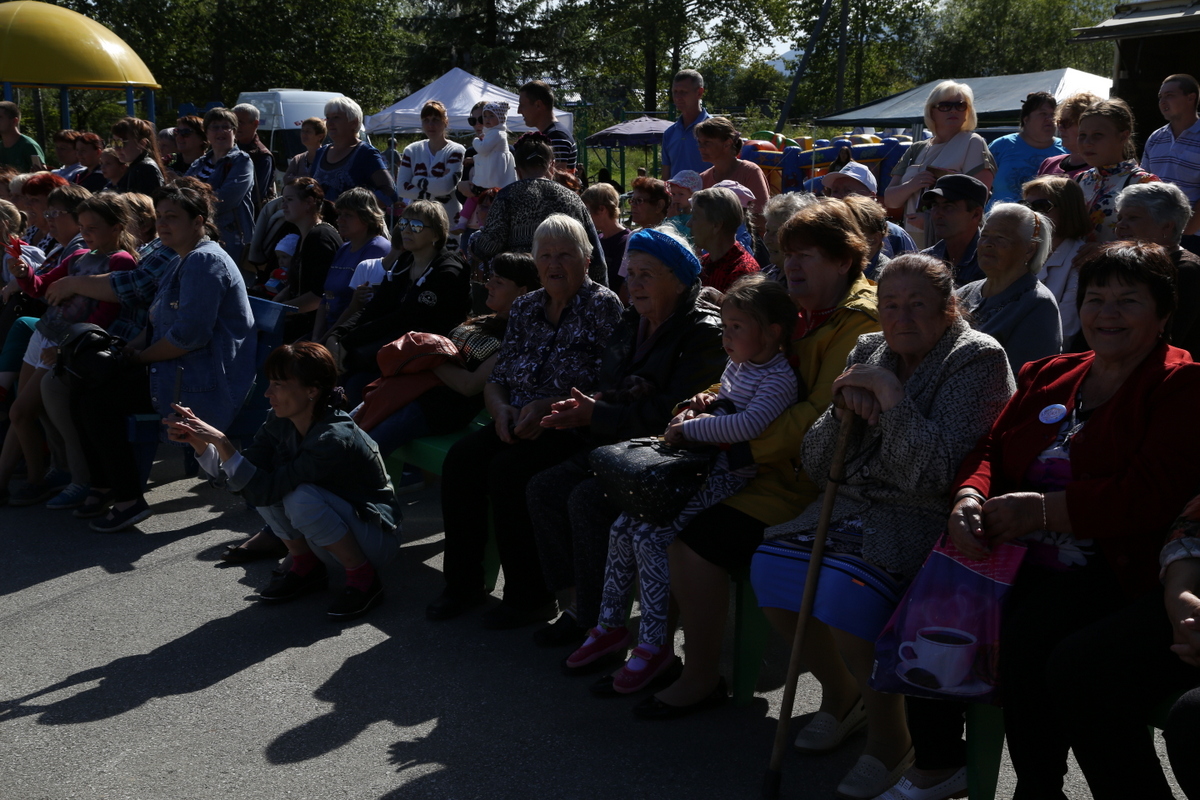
column 1053, row 414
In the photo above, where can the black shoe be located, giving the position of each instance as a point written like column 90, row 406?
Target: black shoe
column 94, row 505
column 654, row 709
column 291, row 585
column 449, row 606
column 120, row 520
column 563, row 631
column 353, row 602
column 506, row 617
column 604, row 686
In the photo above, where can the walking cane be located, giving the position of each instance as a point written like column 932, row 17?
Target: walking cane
column 837, row 474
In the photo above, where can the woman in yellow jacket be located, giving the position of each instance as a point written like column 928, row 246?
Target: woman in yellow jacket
column 825, row 253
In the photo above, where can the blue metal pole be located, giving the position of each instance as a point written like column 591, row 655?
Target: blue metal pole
column 130, row 107
column 151, row 111
column 64, row 107
column 8, row 93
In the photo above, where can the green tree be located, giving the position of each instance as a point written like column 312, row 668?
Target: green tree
column 975, row 38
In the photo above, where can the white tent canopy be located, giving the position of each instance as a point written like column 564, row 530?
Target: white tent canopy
column 459, row 91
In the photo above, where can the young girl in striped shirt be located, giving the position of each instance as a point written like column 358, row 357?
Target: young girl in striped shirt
column 758, row 384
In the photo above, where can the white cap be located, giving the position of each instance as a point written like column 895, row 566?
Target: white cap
column 287, row 245
column 859, row 172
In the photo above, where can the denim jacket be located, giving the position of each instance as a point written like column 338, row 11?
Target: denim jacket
column 201, row 307
column 232, row 180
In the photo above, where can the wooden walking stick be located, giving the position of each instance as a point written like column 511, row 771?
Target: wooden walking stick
column 837, row 474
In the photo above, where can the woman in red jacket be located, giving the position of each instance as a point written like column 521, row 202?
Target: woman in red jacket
column 1086, row 465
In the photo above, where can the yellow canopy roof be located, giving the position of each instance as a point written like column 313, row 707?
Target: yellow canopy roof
column 45, row 45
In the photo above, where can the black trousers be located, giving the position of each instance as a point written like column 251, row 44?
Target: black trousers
column 571, row 520
column 99, row 413
column 480, row 468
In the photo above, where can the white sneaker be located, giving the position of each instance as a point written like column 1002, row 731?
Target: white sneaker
column 905, row 789
column 871, row 777
column 824, row 733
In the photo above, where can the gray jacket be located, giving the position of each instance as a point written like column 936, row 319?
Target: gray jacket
column 1024, row 318
column 900, row 485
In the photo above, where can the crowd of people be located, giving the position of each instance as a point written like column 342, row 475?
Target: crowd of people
column 1017, row 344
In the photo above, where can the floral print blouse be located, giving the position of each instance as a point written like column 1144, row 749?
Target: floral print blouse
column 1101, row 185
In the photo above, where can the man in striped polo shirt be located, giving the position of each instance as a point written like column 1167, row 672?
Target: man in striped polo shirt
column 536, row 108
column 1173, row 151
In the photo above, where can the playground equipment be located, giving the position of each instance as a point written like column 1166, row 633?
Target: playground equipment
column 791, row 167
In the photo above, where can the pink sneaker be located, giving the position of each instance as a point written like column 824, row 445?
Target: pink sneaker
column 628, row 681
column 601, row 645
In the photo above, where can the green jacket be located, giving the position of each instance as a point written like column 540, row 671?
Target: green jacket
column 335, row 454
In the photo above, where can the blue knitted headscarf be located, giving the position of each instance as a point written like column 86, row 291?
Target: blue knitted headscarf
column 677, row 256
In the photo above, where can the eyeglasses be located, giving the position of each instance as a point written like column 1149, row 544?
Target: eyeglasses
column 957, row 105
column 183, row 133
column 637, row 201
column 54, row 213
column 411, row 225
column 117, row 144
column 1040, row 205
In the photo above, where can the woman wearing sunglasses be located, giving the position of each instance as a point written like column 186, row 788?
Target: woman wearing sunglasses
column 425, row 288
column 1060, row 200
column 950, row 115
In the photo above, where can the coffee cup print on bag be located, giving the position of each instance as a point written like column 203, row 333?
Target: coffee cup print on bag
column 946, row 654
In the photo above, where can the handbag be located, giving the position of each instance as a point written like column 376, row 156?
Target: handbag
column 943, row 639
column 89, row 355
column 651, row 480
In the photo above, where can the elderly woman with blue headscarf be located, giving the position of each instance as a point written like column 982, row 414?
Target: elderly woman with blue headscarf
column 666, row 348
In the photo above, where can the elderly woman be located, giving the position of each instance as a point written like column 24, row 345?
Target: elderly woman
column 825, row 254
column 522, row 206
column 190, row 143
column 230, row 173
column 1019, row 155
column 666, row 348
column 431, row 167
column 312, row 136
column 648, row 203
column 954, row 148
column 716, row 216
column 720, row 145
column 314, row 476
column 137, row 146
column 780, row 208
column 928, row 387
column 197, row 350
column 1066, row 121
column 1106, row 144
column 1011, row 304
column 1060, row 200
column 426, row 288
column 347, row 160
column 552, row 349
column 1158, row 213
column 304, row 206
column 1087, row 465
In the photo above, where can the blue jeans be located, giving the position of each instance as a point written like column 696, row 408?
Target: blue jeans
column 323, row 518
column 400, row 428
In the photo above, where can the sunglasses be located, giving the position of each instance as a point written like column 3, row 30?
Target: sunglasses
column 475, row 121
column 957, row 105
column 1040, row 206
column 54, row 213
column 117, row 144
column 411, row 225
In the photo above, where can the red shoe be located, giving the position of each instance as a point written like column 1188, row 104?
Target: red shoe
column 601, row 645
column 628, row 681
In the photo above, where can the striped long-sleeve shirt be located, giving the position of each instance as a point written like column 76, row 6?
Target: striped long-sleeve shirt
column 759, row 392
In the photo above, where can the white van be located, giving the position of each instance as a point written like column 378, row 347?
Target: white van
column 281, row 111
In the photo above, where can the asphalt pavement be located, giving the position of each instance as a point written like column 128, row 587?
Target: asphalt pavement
column 134, row 665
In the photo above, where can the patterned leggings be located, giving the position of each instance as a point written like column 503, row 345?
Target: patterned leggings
column 636, row 547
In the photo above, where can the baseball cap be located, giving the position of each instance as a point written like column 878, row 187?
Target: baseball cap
column 958, row 187
column 855, row 171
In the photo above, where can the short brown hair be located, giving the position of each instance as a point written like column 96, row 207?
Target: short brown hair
column 317, row 124
column 1187, row 84
column 765, row 300
column 721, row 207
column 434, row 109
column 539, row 92
column 830, row 226
column 1068, row 111
column 656, row 189
column 91, row 140
column 602, row 196
column 11, row 109
column 313, row 366
column 220, row 114
column 1130, row 263
column 68, row 197
column 432, row 214
column 721, row 129
column 868, row 213
column 66, row 135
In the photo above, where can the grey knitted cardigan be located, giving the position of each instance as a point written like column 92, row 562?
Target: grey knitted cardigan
column 901, row 489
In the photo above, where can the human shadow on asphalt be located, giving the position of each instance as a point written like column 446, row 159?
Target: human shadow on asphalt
column 207, row 655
